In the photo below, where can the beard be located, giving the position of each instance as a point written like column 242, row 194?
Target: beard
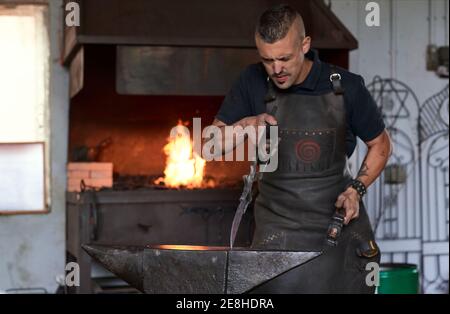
column 282, row 80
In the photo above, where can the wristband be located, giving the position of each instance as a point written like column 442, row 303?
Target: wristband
column 359, row 187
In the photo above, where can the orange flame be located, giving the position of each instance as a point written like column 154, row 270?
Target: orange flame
column 183, row 166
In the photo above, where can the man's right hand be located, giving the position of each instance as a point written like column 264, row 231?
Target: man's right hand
column 258, row 120
column 262, row 119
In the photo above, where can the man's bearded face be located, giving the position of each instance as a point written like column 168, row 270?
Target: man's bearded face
column 283, row 59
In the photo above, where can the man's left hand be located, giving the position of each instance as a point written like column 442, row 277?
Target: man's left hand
column 349, row 200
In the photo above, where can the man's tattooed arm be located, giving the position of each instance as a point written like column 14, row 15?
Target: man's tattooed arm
column 363, row 172
column 379, row 150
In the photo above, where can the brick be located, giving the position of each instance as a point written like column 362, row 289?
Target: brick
column 91, row 166
column 73, row 181
column 94, row 174
column 98, row 174
column 105, row 182
column 74, row 185
column 78, row 174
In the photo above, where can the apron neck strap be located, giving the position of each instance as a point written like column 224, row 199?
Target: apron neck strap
column 335, row 79
column 271, row 94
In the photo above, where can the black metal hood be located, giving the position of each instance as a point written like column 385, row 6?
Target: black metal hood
column 179, row 41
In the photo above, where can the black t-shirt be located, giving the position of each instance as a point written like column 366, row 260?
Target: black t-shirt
column 246, row 98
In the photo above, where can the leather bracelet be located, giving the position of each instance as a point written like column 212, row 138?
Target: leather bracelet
column 359, row 187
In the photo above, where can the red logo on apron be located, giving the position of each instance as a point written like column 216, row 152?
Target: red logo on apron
column 307, row 151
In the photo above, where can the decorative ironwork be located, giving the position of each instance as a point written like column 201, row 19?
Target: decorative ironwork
column 434, row 140
column 393, row 199
column 397, row 191
column 410, row 201
column 394, row 98
column 434, row 115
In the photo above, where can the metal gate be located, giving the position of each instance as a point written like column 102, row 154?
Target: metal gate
column 408, row 204
column 433, row 135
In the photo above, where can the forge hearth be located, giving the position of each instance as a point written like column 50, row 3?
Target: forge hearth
column 130, row 182
column 138, row 126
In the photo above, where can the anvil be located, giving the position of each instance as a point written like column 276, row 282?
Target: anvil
column 184, row 269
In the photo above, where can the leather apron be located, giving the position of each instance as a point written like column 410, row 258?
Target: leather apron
column 296, row 202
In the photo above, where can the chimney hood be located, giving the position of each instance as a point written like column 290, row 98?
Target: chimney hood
column 195, row 47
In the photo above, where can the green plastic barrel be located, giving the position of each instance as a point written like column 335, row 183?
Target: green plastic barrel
column 396, row 278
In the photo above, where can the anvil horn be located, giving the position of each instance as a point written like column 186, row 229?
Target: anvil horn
column 124, row 262
column 174, row 269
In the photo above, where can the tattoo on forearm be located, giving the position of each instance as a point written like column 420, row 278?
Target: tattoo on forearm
column 363, row 172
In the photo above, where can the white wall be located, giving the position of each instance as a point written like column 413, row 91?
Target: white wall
column 397, row 50
column 32, row 247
